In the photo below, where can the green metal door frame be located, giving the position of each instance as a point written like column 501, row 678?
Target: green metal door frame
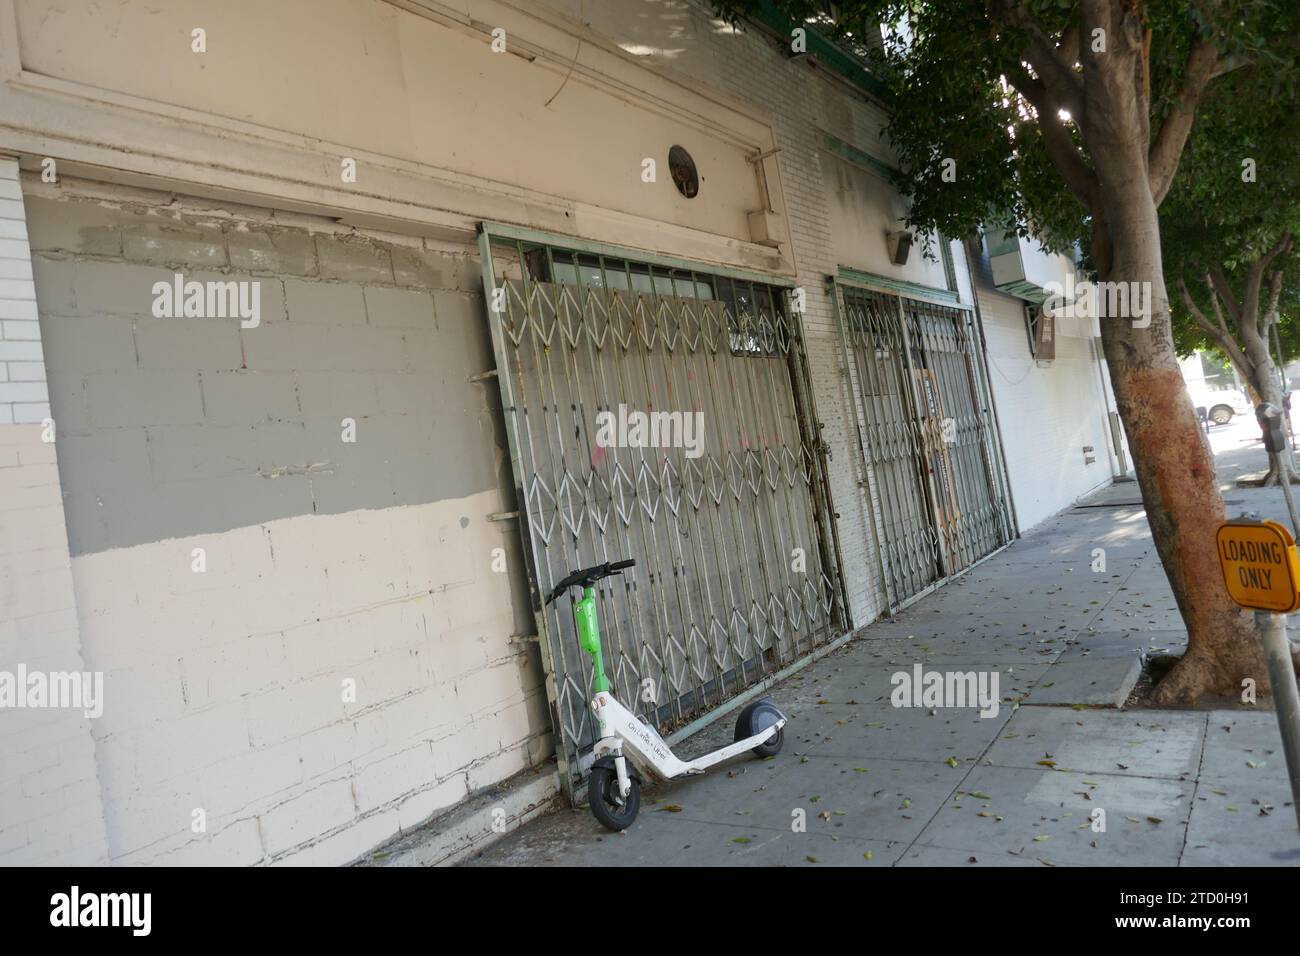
column 496, row 231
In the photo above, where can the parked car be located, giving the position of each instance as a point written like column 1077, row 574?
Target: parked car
column 1220, row 404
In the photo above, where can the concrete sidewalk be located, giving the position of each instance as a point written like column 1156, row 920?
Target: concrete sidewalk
column 886, row 786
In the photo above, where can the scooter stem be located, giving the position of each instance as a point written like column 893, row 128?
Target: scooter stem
column 584, row 616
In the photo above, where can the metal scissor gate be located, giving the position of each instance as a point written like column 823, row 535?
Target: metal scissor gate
column 663, row 414
column 926, row 430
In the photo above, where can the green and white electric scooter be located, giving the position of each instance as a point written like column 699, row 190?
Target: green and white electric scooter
column 614, row 790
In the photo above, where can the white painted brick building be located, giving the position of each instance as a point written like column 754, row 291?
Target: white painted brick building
column 373, row 566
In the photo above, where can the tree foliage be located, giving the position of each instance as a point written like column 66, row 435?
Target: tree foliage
column 961, row 86
column 1232, row 219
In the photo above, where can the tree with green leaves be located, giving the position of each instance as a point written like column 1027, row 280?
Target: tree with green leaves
column 1229, row 228
column 1070, row 117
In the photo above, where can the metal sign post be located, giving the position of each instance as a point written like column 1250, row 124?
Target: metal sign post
column 1262, row 572
column 1270, row 418
column 1286, row 700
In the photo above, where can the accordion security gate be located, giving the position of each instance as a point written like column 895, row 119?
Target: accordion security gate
column 719, row 491
column 926, row 429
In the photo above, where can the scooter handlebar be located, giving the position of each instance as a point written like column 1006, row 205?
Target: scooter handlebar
column 587, row 576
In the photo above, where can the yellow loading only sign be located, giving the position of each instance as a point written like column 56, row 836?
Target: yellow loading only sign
column 1260, row 565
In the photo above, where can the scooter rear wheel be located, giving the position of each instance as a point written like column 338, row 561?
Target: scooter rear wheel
column 603, row 797
column 772, row 746
column 756, row 718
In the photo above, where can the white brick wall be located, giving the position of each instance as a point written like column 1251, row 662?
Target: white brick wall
column 224, row 688
column 50, row 799
column 23, row 397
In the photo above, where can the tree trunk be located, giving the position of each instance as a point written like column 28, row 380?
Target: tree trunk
column 1175, row 469
column 1265, row 383
column 1252, row 364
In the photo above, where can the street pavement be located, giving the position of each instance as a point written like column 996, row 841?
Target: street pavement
column 861, row 782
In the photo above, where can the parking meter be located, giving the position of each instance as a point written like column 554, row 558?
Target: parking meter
column 1270, row 421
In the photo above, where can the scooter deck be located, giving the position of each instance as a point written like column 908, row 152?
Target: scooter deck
column 617, row 724
column 701, row 764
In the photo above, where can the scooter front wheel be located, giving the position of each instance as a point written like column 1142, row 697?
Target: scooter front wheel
column 613, row 811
